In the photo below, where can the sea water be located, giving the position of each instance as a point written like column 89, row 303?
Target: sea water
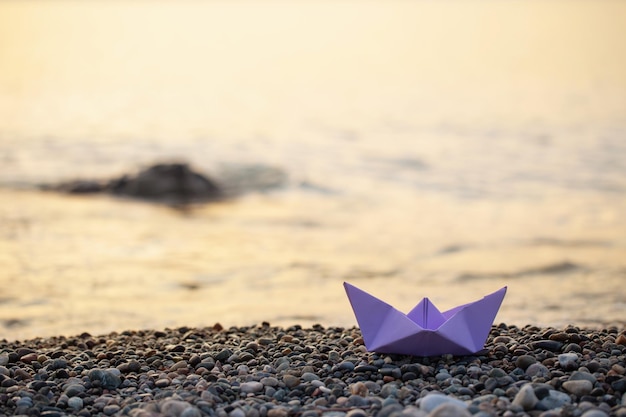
column 441, row 149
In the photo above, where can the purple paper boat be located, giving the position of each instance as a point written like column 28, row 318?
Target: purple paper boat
column 424, row 331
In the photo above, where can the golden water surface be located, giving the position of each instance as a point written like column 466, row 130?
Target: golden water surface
column 440, row 149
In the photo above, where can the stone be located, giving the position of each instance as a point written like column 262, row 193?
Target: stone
column 223, row 355
column 526, row 397
column 291, row 381
column 594, row 413
column 537, row 370
column 29, row 357
column 269, row 381
column 578, row 387
column 309, row 376
column 555, row 399
column 251, row 387
column 568, row 361
column 449, row 410
column 73, row 390
column 551, row 345
column 75, row 403
column 174, row 408
column 579, row 375
column 355, row 412
column 432, row 401
column 278, row 412
column 191, row 412
column 167, row 182
column 237, row 412
column 111, row 409
column 359, row 388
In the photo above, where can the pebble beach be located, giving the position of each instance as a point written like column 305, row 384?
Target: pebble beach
column 270, row 371
column 413, row 148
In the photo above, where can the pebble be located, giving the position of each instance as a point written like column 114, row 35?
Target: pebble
column 526, row 397
column 537, row 370
column 111, row 409
column 251, row 387
column 75, row 403
column 74, row 389
column 265, row 371
column 432, row 401
column 578, row 387
column 555, row 399
column 579, row 375
column 594, row 413
column 291, row 381
column 568, row 361
column 449, row 410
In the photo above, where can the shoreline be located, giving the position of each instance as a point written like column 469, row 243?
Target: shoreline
column 270, row 371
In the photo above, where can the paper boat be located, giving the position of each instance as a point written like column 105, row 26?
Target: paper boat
column 424, row 331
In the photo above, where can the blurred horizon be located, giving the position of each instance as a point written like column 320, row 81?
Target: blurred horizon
column 425, row 145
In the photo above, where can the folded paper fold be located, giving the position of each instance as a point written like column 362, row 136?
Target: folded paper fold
column 424, row 331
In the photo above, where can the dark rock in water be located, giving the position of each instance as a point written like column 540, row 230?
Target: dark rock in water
column 168, row 183
column 81, row 187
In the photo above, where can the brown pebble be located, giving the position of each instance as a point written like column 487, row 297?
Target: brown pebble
column 560, row 337
column 291, row 381
column 23, row 375
column 277, row 412
column 29, row 358
column 621, row 340
column 179, row 365
column 359, row 389
column 162, row 383
column 358, row 341
column 218, row 327
column 388, row 378
column 618, row 369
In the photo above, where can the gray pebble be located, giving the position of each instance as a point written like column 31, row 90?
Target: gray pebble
column 269, row 381
column 309, row 376
column 24, row 402
column 356, row 412
column 347, row 365
column 578, row 375
column 73, row 390
column 251, row 387
column 526, row 397
column 432, row 401
column 237, row 412
column 390, row 409
column 75, row 403
column 412, row 411
column 174, row 408
column 555, row 399
column 449, row 410
column 595, row 413
column 537, row 370
column 334, row 414
column 191, row 412
column 111, row 409
column 568, row 361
